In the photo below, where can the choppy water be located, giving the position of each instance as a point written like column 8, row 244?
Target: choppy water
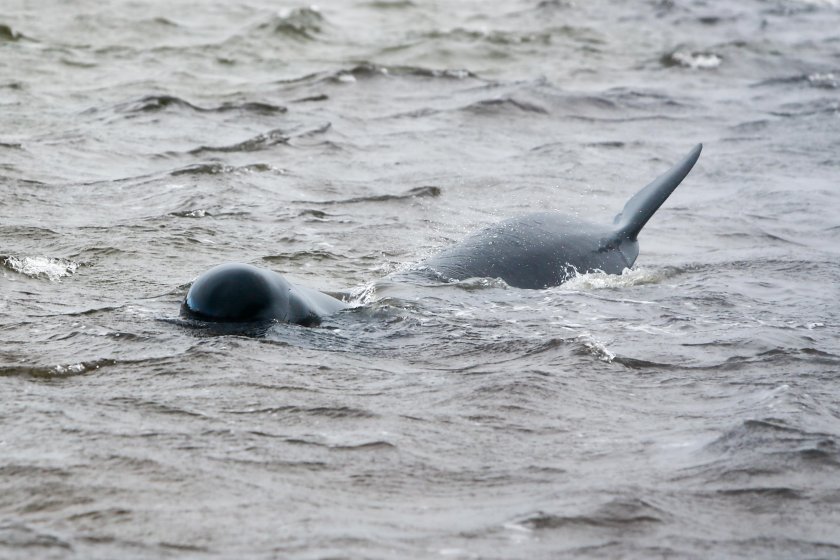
column 686, row 409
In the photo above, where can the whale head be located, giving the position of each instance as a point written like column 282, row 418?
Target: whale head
column 235, row 293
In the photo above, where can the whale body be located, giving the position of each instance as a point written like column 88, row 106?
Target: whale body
column 532, row 251
column 237, row 293
column 547, row 248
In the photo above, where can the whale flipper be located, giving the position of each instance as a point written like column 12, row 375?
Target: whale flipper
column 647, row 201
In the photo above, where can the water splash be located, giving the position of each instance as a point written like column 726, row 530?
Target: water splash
column 602, row 280
column 35, row 267
column 693, row 60
column 596, row 348
column 827, row 80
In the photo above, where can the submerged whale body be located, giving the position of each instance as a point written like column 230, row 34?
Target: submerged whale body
column 533, row 251
column 546, row 249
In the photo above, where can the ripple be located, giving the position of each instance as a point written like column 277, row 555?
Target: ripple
column 322, row 411
column 21, row 537
column 512, row 38
column 493, row 106
column 826, row 106
column 416, row 192
column 303, row 256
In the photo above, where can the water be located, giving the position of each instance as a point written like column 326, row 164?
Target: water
column 688, row 408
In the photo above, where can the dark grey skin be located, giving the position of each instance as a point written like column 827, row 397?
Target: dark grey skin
column 534, row 251
column 237, row 293
column 546, row 249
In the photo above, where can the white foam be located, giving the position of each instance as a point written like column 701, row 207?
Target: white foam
column 52, row 269
column 602, row 280
column 824, row 80
column 70, row 369
column 697, row 60
column 596, row 348
column 362, row 295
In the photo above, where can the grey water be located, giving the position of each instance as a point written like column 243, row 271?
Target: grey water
column 689, row 408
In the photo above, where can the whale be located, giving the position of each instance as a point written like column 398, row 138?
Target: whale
column 534, row 251
column 243, row 293
column 545, row 249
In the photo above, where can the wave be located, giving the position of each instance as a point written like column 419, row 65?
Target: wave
column 258, row 142
column 619, row 514
column 58, row 371
column 7, row 34
column 416, row 192
column 216, row 168
column 511, row 38
column 591, row 346
column 155, row 103
column 263, row 140
column 300, row 24
column 390, row 4
column 541, row 98
column 370, row 70
column 825, row 106
column 772, row 438
column 773, row 492
column 819, row 80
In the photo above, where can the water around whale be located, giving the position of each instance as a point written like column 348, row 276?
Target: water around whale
column 686, row 408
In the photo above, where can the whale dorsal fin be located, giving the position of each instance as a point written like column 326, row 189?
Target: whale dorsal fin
column 644, row 203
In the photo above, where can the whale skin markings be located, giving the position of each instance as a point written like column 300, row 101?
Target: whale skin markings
column 533, row 251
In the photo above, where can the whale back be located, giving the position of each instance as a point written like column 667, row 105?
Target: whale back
column 547, row 248
column 535, row 251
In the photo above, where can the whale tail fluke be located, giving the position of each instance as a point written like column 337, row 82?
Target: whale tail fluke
column 647, row 201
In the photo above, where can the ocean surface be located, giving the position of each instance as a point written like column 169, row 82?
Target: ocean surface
column 689, row 408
